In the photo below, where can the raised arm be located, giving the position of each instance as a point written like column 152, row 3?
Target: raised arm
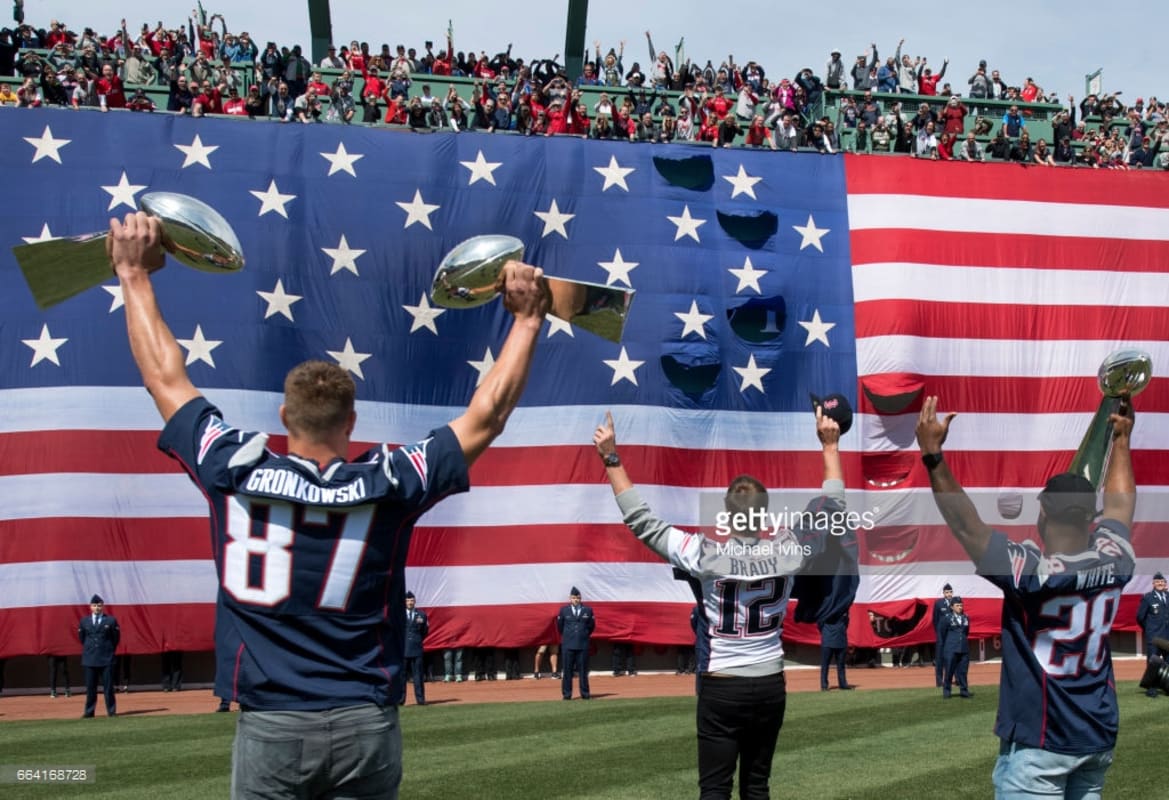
column 526, row 296
column 828, row 432
column 957, row 509
column 135, row 251
column 1120, row 488
column 645, row 526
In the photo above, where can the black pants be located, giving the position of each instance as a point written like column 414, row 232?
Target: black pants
column 738, row 721
column 172, row 671
column 826, row 656
column 574, row 661
column 56, row 665
column 106, row 676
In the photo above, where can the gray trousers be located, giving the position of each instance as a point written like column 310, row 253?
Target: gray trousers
column 353, row 753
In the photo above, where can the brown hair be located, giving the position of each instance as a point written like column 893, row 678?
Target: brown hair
column 318, row 399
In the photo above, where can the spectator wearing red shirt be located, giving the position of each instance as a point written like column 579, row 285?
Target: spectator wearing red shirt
column 483, row 69
column 953, row 116
column 371, row 95
column 56, row 35
column 927, row 82
column 759, row 134
column 207, row 101
column 318, row 84
column 718, row 105
column 109, row 89
column 1031, row 91
column 946, row 146
column 357, row 59
column 234, row 105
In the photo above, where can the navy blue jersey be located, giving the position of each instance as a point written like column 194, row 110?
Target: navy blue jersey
column 1056, row 691
column 310, row 562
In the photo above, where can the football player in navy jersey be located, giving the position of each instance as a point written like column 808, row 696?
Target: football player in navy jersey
column 310, row 548
column 742, row 691
column 1057, row 716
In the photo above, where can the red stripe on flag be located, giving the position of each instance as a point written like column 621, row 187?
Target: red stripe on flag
column 41, row 630
column 960, row 249
column 865, row 175
column 1008, row 395
column 104, row 539
column 973, row 320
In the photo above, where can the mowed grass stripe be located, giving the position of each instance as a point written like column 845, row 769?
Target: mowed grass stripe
column 884, row 745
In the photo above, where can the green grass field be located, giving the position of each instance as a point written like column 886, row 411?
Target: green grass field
column 885, row 745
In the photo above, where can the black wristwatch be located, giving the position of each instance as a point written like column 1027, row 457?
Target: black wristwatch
column 611, row 459
column 931, row 460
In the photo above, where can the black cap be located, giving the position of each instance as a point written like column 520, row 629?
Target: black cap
column 948, row 588
column 97, row 599
column 574, row 592
column 955, row 601
column 409, row 595
column 1158, row 577
column 1068, row 497
column 836, row 407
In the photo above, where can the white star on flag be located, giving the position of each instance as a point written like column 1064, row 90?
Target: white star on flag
column 817, row 329
column 482, row 169
column 557, row 325
column 743, row 183
column 117, row 300
column 554, row 220
column 350, row 359
column 123, row 193
column 812, row 235
column 752, row 375
column 272, row 200
column 618, row 269
column 614, row 174
column 483, row 367
column 47, row 146
column 44, row 348
column 199, row 348
column 687, row 225
column 279, row 301
column 196, row 152
column 424, row 315
column 623, row 368
column 344, row 257
column 692, row 321
column 342, row 160
column 417, row 211
column 46, row 236
column 748, row 276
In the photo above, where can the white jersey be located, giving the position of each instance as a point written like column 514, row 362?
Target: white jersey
column 746, row 583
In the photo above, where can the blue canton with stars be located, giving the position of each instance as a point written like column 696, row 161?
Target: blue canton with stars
column 739, row 259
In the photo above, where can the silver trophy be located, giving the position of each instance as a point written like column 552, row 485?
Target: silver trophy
column 192, row 231
column 469, row 276
column 1122, row 376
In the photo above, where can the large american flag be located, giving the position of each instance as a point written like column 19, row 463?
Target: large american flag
column 759, row 278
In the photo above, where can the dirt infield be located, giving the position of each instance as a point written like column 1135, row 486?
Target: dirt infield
column 604, row 686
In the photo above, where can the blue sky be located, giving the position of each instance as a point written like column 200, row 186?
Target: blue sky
column 1056, row 48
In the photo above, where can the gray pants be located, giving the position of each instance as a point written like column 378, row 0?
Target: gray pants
column 353, row 753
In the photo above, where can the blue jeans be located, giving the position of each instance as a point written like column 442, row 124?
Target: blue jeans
column 1023, row 773
column 353, row 752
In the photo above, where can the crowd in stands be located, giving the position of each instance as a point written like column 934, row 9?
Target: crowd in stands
column 208, row 70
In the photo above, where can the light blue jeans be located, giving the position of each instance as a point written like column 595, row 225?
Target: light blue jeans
column 1024, row 773
column 353, row 752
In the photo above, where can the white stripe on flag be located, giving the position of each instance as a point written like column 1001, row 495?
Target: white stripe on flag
column 1007, row 285
column 922, row 355
column 974, row 215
